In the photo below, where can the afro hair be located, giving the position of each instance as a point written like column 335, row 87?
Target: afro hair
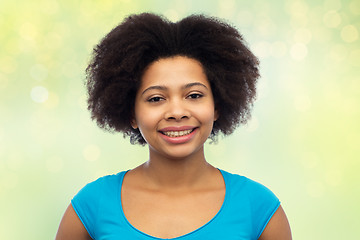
column 119, row 60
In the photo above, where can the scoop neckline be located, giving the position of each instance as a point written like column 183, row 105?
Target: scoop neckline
column 179, row 237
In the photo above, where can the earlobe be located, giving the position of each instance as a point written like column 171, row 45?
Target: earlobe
column 133, row 124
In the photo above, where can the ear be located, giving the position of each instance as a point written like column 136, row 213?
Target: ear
column 216, row 115
column 133, row 124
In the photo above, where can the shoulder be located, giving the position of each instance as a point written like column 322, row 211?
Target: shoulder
column 71, row 227
column 278, row 227
column 94, row 192
column 108, row 179
column 87, row 203
column 79, row 220
column 238, row 184
column 101, row 184
column 255, row 201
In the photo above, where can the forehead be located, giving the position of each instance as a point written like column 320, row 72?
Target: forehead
column 178, row 70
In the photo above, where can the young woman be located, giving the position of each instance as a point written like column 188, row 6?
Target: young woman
column 172, row 86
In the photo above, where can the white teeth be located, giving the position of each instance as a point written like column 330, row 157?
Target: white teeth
column 177, row 133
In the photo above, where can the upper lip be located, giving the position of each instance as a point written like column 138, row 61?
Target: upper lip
column 176, row 128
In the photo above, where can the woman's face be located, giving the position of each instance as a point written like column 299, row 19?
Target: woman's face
column 174, row 107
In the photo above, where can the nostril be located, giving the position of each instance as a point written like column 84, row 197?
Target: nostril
column 177, row 113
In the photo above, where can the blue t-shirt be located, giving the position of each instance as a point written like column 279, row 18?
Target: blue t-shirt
column 247, row 208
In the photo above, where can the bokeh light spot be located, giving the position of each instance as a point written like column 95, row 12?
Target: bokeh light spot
column 297, row 8
column 299, row 13
column 298, row 51
column 28, row 31
column 172, row 15
column 226, row 8
column 332, row 19
column 264, row 27
column 38, row 72
column 302, row 35
column 262, row 49
column 39, row 94
column 91, row 152
column 299, row 21
column 52, row 101
column 349, row 33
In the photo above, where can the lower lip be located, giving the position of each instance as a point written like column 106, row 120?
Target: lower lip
column 179, row 140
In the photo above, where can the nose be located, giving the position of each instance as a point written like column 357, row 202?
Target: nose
column 177, row 110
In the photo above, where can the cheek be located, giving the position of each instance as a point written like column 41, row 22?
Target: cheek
column 146, row 119
column 146, row 123
column 207, row 114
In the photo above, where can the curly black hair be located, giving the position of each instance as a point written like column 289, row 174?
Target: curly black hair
column 119, row 60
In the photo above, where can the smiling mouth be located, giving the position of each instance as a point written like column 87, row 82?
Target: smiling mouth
column 175, row 134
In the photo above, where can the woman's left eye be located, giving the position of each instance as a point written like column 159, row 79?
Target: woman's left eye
column 155, row 99
column 195, row 95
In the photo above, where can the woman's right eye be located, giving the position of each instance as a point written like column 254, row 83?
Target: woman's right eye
column 155, row 99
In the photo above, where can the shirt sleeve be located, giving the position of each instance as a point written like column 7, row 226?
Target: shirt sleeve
column 86, row 205
column 265, row 204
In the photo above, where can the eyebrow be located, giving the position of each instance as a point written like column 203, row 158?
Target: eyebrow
column 163, row 88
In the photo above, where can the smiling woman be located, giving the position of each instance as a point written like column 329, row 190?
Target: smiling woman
column 172, row 86
column 174, row 107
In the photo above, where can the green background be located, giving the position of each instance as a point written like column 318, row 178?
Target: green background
column 302, row 142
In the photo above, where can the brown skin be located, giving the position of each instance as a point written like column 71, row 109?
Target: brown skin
column 176, row 180
column 71, row 228
column 277, row 228
column 193, row 206
column 183, row 209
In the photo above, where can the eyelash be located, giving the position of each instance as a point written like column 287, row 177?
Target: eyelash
column 155, row 99
column 190, row 96
column 195, row 95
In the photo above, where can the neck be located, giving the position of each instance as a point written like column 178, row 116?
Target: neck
column 175, row 174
